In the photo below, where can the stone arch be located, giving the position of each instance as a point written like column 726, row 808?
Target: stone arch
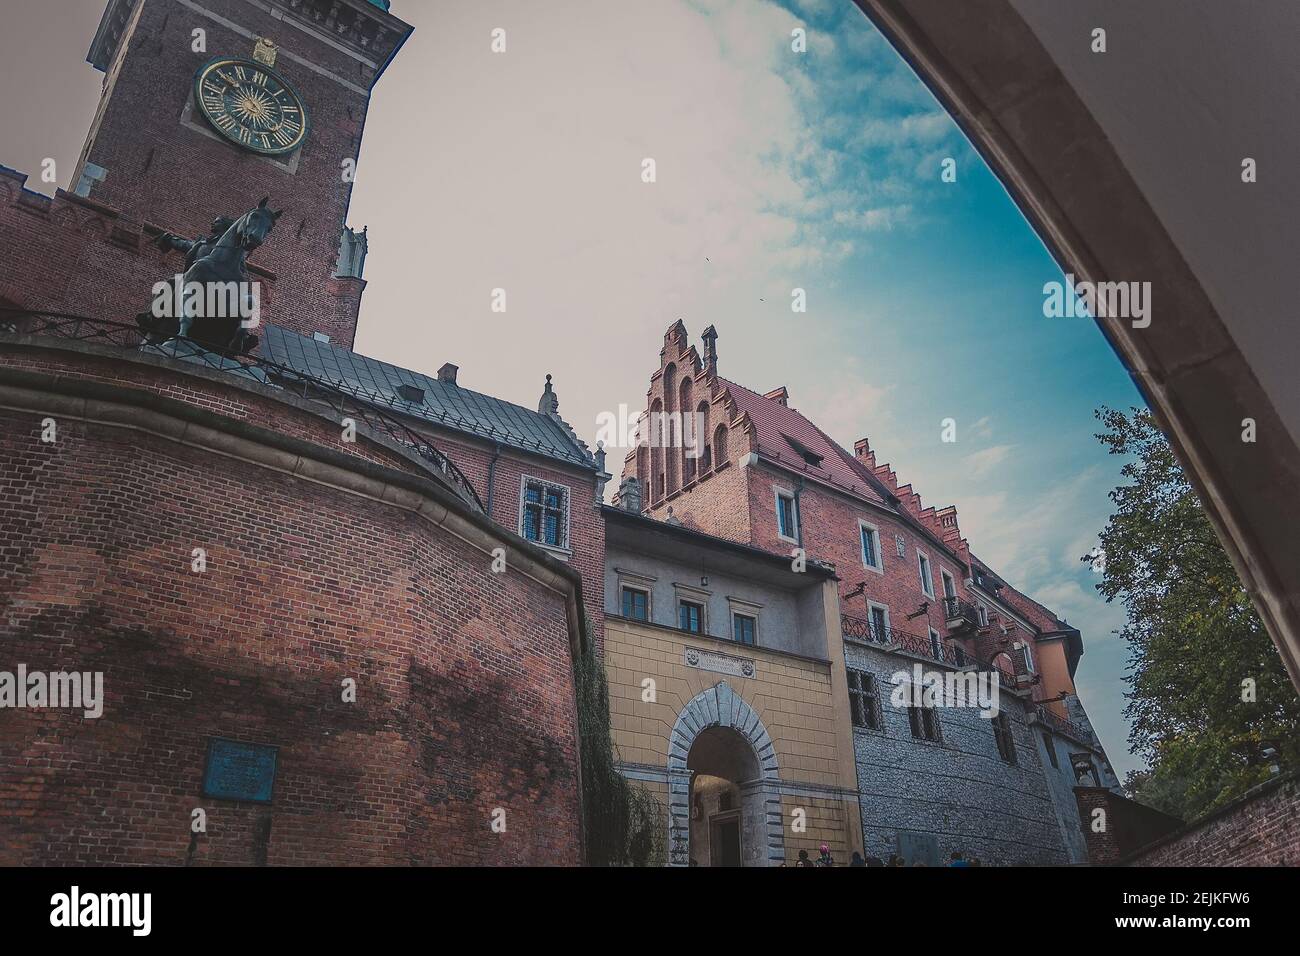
column 720, row 706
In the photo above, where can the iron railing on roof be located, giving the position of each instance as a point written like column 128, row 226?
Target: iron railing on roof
column 344, row 402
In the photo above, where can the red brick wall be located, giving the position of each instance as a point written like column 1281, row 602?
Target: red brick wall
column 465, row 692
column 1260, row 829
column 71, row 255
column 586, row 525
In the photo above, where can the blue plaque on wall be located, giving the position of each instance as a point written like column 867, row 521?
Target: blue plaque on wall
column 239, row 771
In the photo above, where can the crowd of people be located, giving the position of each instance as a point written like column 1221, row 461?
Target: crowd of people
column 826, row 859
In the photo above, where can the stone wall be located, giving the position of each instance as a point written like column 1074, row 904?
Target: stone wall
column 957, row 792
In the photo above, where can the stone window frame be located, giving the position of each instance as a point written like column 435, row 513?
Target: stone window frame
column 936, row 644
column 924, row 723
column 886, row 637
column 749, row 609
column 1050, row 745
column 925, row 571
column 866, row 700
column 879, row 566
column 1004, row 737
column 636, row 581
column 566, row 548
column 691, row 595
column 1027, row 655
column 944, row 576
column 787, row 493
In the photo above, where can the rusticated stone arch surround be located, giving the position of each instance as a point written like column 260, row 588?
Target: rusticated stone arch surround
column 720, row 706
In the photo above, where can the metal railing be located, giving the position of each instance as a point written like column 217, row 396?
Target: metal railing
column 341, row 400
column 861, row 629
column 1064, row 727
column 957, row 609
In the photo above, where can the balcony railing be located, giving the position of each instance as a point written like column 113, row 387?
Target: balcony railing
column 958, row 613
column 340, row 398
column 1064, row 727
column 860, row 629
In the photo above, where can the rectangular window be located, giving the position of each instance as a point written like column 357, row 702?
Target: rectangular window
column 1051, row 750
column 744, row 628
column 636, row 604
column 864, row 700
column 690, row 617
column 936, row 645
column 870, row 547
column 1002, row 735
column 545, row 513
column 984, row 615
column 927, row 582
column 925, row 723
column 787, row 518
column 879, row 624
column 949, row 585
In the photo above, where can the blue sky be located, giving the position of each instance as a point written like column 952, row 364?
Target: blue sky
column 776, row 170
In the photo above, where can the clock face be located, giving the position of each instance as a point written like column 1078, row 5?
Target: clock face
column 251, row 106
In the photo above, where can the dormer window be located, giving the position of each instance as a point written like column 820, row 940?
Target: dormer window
column 411, row 393
column 807, row 454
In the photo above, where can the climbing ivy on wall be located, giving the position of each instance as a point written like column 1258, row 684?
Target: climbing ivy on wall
column 625, row 824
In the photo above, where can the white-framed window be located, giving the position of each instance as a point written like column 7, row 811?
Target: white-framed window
column 1029, row 657
column 544, row 513
column 878, row 616
column 936, row 645
column 949, row 583
column 787, row 516
column 927, row 579
column 869, row 538
column 983, row 613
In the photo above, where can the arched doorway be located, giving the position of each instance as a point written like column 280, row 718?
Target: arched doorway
column 724, row 804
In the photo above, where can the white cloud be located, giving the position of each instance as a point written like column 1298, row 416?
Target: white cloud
column 982, row 462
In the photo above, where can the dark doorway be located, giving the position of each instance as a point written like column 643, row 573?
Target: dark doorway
column 724, row 839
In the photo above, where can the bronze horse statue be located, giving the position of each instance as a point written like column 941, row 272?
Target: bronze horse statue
column 217, row 277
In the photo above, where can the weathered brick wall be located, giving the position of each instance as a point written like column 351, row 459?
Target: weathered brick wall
column 960, row 790
column 464, row 682
column 1262, row 828
column 586, row 551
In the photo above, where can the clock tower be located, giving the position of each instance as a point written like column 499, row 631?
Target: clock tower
column 209, row 105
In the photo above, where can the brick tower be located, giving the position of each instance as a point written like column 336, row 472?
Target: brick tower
column 279, row 112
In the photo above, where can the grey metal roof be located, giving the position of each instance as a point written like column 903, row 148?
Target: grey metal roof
column 450, row 406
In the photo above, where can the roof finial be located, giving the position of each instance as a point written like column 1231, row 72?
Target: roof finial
column 710, row 336
column 549, row 403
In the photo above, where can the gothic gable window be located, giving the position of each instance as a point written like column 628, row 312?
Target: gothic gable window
column 1004, row 739
column 544, row 513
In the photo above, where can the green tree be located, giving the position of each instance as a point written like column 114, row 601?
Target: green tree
column 1197, row 645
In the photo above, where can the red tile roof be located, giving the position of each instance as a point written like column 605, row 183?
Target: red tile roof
column 775, row 424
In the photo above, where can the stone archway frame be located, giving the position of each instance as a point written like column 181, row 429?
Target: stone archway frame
column 720, row 706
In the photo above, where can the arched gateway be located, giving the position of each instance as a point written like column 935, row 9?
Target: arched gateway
column 724, row 804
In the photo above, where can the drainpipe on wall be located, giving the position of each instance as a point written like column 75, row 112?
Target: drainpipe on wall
column 492, row 474
column 798, row 512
